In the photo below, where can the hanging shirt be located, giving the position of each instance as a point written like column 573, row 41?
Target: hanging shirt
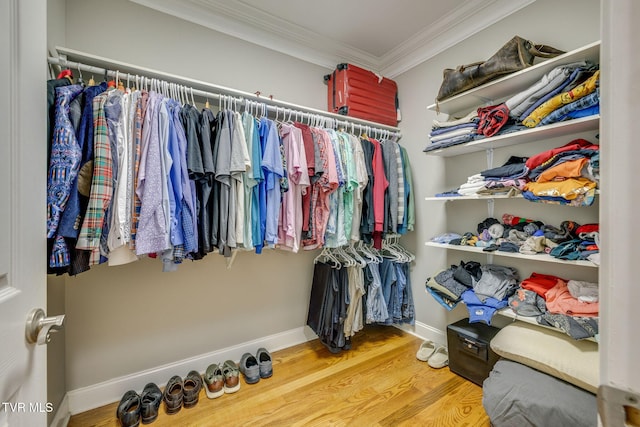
column 401, row 195
column 240, row 163
column 204, row 184
column 176, row 196
column 409, row 214
column 256, row 181
column 249, row 182
column 391, row 194
column 362, row 180
column 323, row 188
column 367, row 219
column 73, row 213
column 379, row 188
column 153, row 235
column 191, row 121
column 290, row 223
column 310, row 149
column 189, row 214
column 350, row 185
column 335, row 232
column 273, row 171
column 222, row 158
column 65, row 158
column 136, row 204
column 101, row 184
column 120, row 228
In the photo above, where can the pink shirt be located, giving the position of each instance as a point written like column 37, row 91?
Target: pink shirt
column 290, row 224
column 559, row 300
column 322, row 188
column 380, row 185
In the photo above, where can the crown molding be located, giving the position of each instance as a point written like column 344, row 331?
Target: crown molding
column 243, row 21
column 452, row 29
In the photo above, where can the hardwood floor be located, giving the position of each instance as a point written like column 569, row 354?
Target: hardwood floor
column 379, row 382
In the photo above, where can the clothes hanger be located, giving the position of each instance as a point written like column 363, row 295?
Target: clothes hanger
column 347, row 259
column 352, row 251
column 373, row 257
column 326, row 255
column 193, row 101
column 80, row 80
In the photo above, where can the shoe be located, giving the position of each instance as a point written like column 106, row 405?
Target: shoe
column 191, row 389
column 150, row 403
column 439, row 358
column 231, row 375
column 264, row 363
column 173, row 395
column 128, row 411
column 214, row 381
column 427, row 348
column 250, row 368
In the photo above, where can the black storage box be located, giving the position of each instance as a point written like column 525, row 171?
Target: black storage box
column 469, row 353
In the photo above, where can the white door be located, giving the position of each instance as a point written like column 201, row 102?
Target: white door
column 23, row 385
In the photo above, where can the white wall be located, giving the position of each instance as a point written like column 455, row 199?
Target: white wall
column 566, row 25
column 122, row 320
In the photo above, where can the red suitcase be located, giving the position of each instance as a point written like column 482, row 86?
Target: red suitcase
column 360, row 93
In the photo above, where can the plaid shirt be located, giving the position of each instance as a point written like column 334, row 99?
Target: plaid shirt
column 101, row 184
column 141, row 105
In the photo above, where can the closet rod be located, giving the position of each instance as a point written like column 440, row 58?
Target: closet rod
column 111, row 68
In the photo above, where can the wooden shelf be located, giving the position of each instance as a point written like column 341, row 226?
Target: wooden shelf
column 584, row 124
column 500, row 89
column 537, row 257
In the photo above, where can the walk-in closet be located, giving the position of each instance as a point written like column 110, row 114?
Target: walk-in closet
column 321, row 315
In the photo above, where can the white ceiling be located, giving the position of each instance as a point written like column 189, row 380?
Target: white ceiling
column 387, row 36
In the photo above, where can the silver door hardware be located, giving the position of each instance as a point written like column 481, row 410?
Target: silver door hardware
column 39, row 327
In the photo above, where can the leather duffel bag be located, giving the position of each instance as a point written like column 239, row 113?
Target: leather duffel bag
column 515, row 55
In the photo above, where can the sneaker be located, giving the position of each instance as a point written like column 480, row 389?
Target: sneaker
column 231, row 375
column 264, row 362
column 250, row 368
column 214, row 381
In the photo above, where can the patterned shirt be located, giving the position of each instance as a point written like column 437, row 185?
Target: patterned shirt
column 65, row 158
column 101, row 184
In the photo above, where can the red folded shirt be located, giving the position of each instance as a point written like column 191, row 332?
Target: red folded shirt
column 540, row 283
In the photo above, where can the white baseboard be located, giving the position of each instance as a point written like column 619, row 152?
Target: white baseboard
column 61, row 419
column 104, row 393
column 424, row 331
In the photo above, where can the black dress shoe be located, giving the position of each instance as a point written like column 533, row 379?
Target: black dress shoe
column 173, row 395
column 150, row 403
column 192, row 386
column 128, row 411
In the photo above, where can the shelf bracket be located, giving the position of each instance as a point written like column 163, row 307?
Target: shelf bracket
column 489, row 153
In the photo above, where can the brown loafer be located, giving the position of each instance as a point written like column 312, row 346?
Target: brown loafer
column 173, row 395
column 191, row 388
